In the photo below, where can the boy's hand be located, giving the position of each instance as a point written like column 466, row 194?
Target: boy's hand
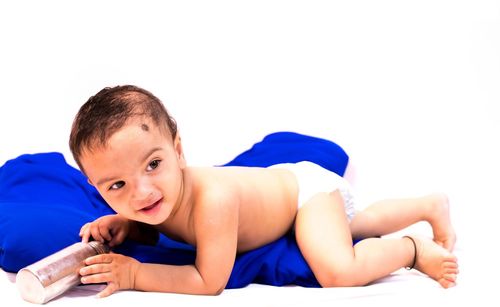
column 111, row 228
column 118, row 271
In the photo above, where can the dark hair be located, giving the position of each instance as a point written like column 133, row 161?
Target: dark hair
column 109, row 110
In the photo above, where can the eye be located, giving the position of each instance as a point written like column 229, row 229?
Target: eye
column 117, row 185
column 153, row 165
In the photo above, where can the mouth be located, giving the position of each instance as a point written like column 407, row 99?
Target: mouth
column 153, row 208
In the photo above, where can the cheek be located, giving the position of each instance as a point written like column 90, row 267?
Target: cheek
column 169, row 181
column 116, row 203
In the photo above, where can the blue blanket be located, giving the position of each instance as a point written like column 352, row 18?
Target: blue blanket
column 44, row 202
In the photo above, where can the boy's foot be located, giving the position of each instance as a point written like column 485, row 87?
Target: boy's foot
column 435, row 261
column 443, row 231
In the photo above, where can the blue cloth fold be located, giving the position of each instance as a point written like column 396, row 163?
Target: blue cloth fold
column 44, row 202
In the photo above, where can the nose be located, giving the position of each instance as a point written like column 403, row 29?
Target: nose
column 142, row 192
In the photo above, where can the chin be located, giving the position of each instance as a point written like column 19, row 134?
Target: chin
column 158, row 216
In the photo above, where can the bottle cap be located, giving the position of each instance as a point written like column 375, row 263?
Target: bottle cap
column 30, row 287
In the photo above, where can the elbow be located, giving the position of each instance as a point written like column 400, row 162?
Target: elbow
column 219, row 289
column 217, row 292
column 214, row 291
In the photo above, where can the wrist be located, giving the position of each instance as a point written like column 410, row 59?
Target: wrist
column 135, row 266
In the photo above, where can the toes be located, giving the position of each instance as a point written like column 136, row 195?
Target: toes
column 450, row 264
column 449, row 258
column 437, row 262
column 450, row 277
column 445, row 283
column 451, row 271
column 450, row 268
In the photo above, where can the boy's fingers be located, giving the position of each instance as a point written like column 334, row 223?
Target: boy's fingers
column 96, row 234
column 97, row 278
column 108, row 290
column 83, row 229
column 104, row 231
column 117, row 239
column 102, row 258
column 95, row 269
column 86, row 235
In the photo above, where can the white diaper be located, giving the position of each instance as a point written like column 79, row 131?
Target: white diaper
column 313, row 179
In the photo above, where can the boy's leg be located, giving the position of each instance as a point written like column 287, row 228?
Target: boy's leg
column 324, row 238
column 388, row 216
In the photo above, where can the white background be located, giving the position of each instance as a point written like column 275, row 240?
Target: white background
column 410, row 89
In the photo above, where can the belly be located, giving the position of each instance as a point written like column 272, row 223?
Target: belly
column 261, row 236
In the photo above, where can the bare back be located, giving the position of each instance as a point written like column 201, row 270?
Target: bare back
column 266, row 201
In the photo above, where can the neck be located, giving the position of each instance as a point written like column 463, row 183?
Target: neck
column 177, row 225
column 186, row 199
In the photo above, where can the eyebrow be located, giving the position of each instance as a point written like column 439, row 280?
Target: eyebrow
column 149, row 153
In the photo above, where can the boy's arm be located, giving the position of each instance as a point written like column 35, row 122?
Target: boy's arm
column 216, row 230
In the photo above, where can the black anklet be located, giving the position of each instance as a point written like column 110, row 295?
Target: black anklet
column 415, row 255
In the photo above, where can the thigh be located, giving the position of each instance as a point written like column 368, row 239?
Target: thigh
column 323, row 234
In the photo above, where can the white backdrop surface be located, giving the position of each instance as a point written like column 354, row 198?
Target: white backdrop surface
column 410, row 89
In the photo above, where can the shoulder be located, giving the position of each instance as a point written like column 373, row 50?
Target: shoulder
column 217, row 185
column 216, row 200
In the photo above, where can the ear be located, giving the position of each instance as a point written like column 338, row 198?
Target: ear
column 179, row 151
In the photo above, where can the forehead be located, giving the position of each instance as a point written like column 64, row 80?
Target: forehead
column 133, row 138
column 136, row 124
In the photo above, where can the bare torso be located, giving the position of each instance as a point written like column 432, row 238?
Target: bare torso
column 266, row 201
